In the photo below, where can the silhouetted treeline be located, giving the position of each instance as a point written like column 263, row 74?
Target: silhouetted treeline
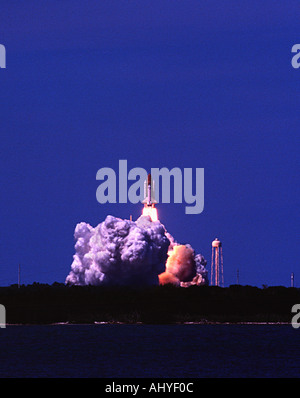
column 42, row 303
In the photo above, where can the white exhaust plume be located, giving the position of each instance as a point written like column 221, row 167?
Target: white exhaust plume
column 123, row 252
column 119, row 252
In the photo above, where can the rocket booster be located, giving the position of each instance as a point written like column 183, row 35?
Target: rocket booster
column 149, row 199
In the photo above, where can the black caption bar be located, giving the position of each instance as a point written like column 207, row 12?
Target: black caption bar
column 144, row 386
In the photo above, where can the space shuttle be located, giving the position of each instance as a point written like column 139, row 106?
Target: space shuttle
column 149, row 200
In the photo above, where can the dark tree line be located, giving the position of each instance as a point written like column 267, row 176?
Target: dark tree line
column 43, row 304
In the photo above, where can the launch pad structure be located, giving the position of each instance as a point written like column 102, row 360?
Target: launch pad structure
column 217, row 275
column 216, row 272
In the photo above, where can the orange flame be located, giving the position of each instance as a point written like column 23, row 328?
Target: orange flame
column 180, row 266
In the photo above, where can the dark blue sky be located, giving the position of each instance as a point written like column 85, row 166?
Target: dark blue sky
column 161, row 84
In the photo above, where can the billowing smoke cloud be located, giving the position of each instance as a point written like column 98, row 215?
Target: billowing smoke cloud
column 123, row 252
column 119, row 252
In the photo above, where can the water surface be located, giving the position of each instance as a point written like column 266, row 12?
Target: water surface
column 200, row 351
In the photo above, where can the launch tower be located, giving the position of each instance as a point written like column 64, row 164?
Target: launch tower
column 216, row 276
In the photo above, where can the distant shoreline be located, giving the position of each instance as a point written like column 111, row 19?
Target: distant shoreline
column 147, row 324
